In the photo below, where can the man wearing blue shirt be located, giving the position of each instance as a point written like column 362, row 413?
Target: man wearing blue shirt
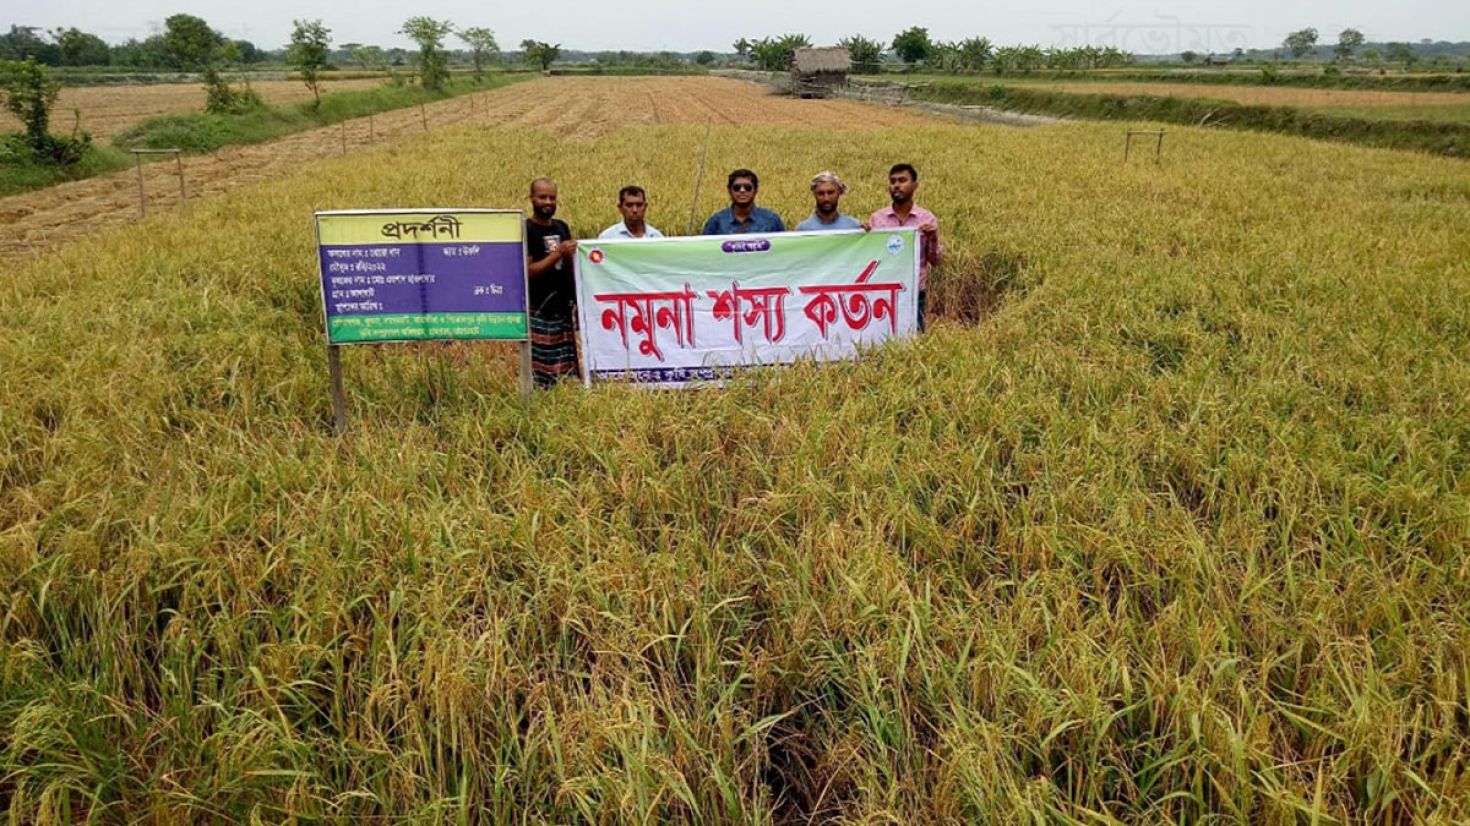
column 743, row 216
column 827, row 190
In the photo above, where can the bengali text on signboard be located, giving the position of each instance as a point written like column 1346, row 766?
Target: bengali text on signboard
column 399, row 275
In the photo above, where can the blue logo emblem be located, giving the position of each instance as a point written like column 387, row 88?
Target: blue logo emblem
column 895, row 244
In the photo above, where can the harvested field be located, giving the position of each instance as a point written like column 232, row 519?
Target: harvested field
column 107, row 110
column 590, row 107
column 579, row 108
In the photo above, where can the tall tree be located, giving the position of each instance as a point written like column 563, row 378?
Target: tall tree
column 433, row 63
column 25, row 41
column 866, row 54
column 193, row 46
column 974, row 52
column 913, row 45
column 1403, row 53
column 1301, row 43
column 310, row 44
column 540, row 53
column 773, row 54
column 189, row 42
column 370, row 58
column 29, row 94
column 1348, row 44
column 249, row 52
column 742, row 48
column 482, row 44
column 78, row 48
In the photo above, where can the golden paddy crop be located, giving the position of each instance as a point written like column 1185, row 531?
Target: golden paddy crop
column 1177, row 530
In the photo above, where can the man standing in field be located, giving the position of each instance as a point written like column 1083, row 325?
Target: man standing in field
column 549, row 252
column 743, row 216
column 633, row 204
column 903, row 180
column 827, row 190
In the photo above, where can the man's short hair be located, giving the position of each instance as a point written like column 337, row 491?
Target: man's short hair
column 542, row 180
column 743, row 173
column 905, row 167
column 631, row 190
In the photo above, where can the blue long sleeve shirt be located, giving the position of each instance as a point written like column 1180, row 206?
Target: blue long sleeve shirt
column 760, row 220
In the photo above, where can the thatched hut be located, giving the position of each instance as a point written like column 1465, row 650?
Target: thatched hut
column 816, row 72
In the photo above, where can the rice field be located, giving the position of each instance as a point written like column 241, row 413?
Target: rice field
column 1163, row 522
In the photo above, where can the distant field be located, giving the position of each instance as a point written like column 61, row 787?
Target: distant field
column 1451, row 107
column 107, row 110
column 1313, row 78
column 581, row 108
column 1441, row 113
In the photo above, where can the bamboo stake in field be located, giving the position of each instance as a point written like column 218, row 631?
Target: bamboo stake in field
column 178, row 166
column 424, row 116
column 344, row 137
column 372, row 134
column 699, row 176
column 1158, row 147
column 142, row 198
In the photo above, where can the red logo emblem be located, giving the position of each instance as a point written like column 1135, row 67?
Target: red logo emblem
column 596, row 256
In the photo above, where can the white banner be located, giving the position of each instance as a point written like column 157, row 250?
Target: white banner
column 673, row 311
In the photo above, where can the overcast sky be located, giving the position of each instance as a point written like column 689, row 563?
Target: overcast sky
column 682, row 25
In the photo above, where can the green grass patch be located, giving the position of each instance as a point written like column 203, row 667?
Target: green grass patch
column 1437, row 113
column 1244, row 76
column 202, row 132
column 1443, row 138
column 20, row 171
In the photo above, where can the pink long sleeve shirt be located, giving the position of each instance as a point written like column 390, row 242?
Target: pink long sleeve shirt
column 930, row 250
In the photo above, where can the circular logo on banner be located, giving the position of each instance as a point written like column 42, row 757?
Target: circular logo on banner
column 596, row 256
column 895, row 244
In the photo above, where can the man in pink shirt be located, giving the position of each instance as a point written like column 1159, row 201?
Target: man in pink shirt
column 903, row 179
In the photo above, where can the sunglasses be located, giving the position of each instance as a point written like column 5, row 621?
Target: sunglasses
column 742, row 187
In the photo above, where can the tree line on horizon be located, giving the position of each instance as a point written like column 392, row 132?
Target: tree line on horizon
column 72, row 47
column 914, row 46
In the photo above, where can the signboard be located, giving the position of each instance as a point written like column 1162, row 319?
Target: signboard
column 674, row 311
column 419, row 275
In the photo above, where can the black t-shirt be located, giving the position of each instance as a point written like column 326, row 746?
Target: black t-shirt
column 552, row 292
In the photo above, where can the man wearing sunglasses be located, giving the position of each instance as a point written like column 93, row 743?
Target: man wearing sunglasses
column 743, row 216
